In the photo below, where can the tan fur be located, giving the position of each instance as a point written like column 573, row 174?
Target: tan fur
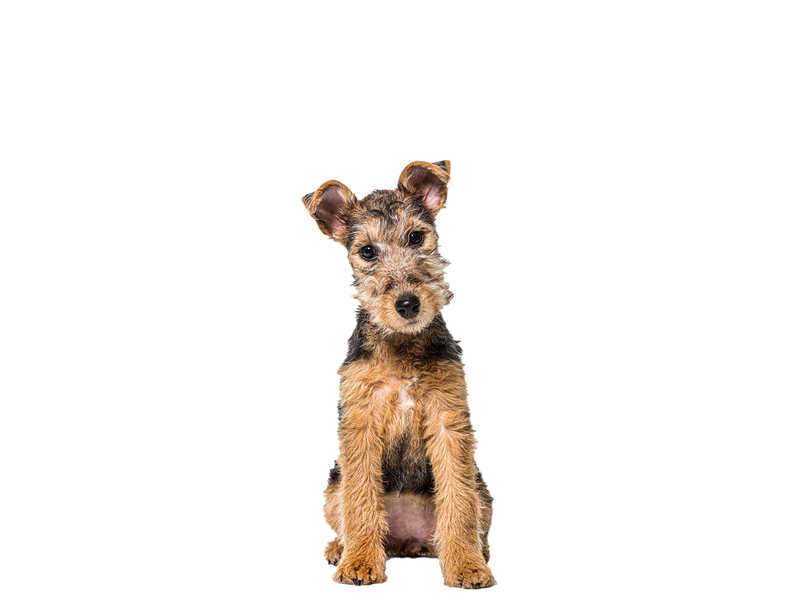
column 397, row 392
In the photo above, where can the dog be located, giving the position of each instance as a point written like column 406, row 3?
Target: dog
column 405, row 482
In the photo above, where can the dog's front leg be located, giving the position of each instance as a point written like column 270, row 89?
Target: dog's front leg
column 450, row 446
column 363, row 519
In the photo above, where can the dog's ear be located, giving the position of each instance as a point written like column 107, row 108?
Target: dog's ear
column 328, row 206
column 428, row 181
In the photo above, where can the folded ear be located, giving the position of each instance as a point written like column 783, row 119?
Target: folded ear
column 428, row 181
column 328, row 205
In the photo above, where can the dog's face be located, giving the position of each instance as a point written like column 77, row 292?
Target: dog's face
column 394, row 252
column 392, row 245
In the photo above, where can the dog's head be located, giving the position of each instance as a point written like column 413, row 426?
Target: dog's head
column 392, row 244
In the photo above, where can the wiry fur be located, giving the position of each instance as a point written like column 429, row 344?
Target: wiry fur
column 405, row 482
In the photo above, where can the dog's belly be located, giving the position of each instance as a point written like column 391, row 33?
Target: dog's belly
column 412, row 522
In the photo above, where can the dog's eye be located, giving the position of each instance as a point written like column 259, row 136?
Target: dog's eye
column 415, row 238
column 367, row 252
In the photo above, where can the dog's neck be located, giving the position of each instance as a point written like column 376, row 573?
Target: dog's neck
column 434, row 343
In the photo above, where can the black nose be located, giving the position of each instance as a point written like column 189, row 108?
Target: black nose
column 407, row 306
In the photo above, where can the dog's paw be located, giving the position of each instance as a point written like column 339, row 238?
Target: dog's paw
column 470, row 575
column 333, row 552
column 359, row 572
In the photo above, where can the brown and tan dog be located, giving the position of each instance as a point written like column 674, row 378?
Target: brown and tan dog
column 405, row 482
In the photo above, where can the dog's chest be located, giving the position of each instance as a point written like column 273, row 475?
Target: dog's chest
column 405, row 401
column 400, row 398
column 398, row 403
column 405, row 465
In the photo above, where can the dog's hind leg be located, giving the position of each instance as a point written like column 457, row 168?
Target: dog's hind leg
column 334, row 549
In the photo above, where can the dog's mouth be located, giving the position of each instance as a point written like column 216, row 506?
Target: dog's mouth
column 407, row 311
column 408, row 326
column 409, row 314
